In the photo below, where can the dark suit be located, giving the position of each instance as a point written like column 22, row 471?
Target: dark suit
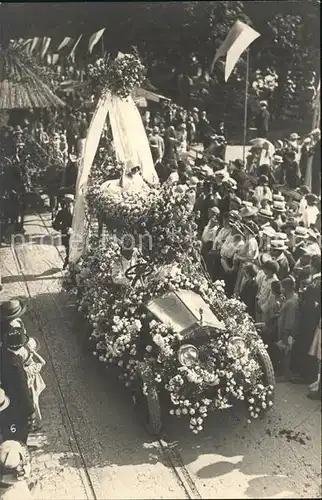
column 262, row 123
column 14, row 421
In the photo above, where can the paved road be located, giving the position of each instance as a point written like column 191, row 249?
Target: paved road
column 92, row 445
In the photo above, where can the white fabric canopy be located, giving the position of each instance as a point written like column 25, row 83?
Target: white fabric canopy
column 132, row 148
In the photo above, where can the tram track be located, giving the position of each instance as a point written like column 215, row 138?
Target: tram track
column 170, row 453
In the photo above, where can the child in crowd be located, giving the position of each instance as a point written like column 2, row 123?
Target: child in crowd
column 249, row 289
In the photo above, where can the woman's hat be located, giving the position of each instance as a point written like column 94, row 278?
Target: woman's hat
column 231, row 183
column 300, row 232
column 278, row 245
column 263, row 179
column 4, row 400
column 294, row 136
column 15, row 337
column 12, row 309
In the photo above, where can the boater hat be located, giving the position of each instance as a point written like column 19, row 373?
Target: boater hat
column 278, row 245
column 4, row 400
column 300, row 232
column 12, row 309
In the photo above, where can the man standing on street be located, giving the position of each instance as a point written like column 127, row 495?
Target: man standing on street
column 63, row 223
column 262, row 120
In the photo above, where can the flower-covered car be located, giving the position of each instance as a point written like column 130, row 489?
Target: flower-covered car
column 155, row 315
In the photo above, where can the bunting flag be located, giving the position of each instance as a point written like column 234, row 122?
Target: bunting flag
column 67, row 40
column 55, row 58
column 72, row 54
column 45, row 46
column 94, row 39
column 237, row 41
column 34, row 44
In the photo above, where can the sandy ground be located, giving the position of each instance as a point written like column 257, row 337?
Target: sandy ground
column 92, row 445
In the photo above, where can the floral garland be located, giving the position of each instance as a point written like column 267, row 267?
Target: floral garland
column 119, row 76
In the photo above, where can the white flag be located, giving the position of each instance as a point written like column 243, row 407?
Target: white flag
column 54, row 58
column 94, row 39
column 45, row 47
column 34, row 44
column 64, row 43
column 238, row 39
column 72, row 54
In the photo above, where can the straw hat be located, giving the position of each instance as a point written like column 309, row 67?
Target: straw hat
column 278, row 245
column 279, row 206
column 278, row 197
column 247, row 212
column 265, row 213
column 281, row 236
column 300, row 232
column 294, row 136
column 12, row 309
column 268, row 231
column 69, row 197
column 4, row 400
column 277, row 159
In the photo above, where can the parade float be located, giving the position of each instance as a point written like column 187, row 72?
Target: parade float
column 151, row 309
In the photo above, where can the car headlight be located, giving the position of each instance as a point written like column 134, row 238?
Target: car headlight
column 188, row 355
column 236, row 347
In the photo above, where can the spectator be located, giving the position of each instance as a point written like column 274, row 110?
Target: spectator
column 63, row 223
column 249, row 289
column 262, row 191
column 264, row 281
column 309, row 317
column 262, row 120
column 17, row 417
column 288, row 322
column 292, row 173
column 315, row 351
column 310, row 212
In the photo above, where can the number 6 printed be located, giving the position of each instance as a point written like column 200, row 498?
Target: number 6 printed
column 13, row 428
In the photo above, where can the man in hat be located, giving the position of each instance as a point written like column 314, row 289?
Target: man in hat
column 262, row 120
column 17, row 417
column 63, row 223
column 316, row 163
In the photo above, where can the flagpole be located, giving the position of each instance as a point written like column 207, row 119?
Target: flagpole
column 246, row 106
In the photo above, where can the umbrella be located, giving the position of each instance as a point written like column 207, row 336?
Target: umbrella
column 259, row 142
column 21, row 87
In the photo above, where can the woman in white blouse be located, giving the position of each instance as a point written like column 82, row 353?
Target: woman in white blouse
column 229, row 250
